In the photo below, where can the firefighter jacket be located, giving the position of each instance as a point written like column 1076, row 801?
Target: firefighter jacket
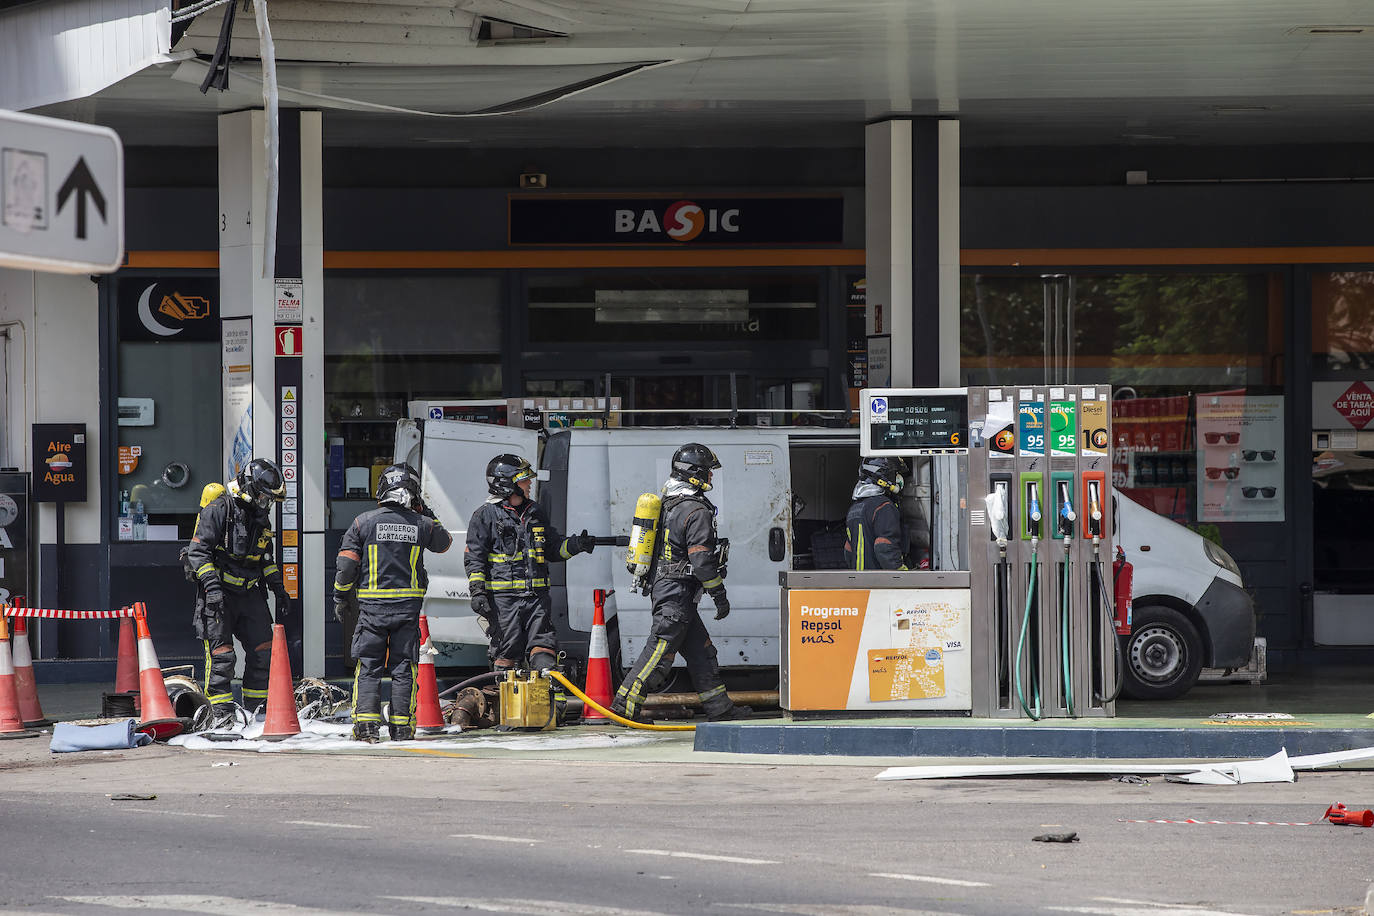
column 387, row 545
column 232, row 548
column 876, row 539
column 690, row 544
column 510, row 547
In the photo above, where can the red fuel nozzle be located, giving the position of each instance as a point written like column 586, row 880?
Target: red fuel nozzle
column 1338, row 814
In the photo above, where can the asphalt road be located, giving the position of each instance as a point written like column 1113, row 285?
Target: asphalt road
column 524, row 834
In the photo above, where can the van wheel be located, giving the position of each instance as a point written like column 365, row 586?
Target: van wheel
column 1163, row 654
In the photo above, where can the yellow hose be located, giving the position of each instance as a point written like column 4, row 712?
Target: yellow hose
column 558, row 676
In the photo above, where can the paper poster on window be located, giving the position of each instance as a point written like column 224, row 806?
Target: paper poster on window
column 237, row 361
column 1240, row 458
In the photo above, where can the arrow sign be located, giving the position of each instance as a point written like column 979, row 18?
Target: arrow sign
column 83, row 183
column 53, row 174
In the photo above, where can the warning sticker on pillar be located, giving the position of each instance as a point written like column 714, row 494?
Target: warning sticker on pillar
column 289, row 375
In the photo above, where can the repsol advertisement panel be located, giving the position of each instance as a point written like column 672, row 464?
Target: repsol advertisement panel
column 577, row 219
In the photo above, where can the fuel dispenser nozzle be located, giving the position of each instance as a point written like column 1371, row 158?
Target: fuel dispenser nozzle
column 1066, row 513
column 997, row 517
column 1094, row 510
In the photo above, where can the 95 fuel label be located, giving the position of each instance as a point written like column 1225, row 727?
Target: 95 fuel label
column 1030, row 423
column 1063, row 429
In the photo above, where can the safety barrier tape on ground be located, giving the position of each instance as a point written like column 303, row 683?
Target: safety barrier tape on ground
column 10, row 610
column 1193, row 820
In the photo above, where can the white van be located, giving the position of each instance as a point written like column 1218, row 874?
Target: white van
column 780, row 493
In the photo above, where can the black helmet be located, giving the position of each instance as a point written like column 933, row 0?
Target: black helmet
column 885, row 472
column 399, row 485
column 504, row 472
column 260, row 483
column 693, row 464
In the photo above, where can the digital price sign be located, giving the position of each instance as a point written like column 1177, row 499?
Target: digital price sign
column 913, row 421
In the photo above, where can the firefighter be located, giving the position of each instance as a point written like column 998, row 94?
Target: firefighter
column 381, row 570
column 876, row 538
column 510, row 545
column 689, row 561
column 234, row 561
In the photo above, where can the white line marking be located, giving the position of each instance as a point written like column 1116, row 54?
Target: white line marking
column 929, row 879
column 497, row 905
column 1153, row 910
column 1130, row 902
column 174, row 813
column 702, row 856
column 493, row 838
column 328, row 824
column 200, row 903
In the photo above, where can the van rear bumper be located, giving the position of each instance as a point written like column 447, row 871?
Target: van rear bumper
column 1228, row 612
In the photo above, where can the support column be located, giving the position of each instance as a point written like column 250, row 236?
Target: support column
column 289, row 387
column 912, row 250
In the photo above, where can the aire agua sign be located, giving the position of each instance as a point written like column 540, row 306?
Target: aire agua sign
column 639, row 220
column 59, row 462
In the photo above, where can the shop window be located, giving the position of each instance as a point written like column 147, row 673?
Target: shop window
column 391, row 339
column 1194, row 360
column 674, row 309
column 169, row 433
column 1343, row 320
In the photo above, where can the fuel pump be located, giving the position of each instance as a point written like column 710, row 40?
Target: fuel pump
column 1099, row 597
column 1030, row 530
column 1065, row 518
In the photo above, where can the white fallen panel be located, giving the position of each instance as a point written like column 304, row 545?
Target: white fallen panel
column 1271, row 769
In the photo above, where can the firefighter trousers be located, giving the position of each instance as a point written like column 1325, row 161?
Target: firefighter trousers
column 386, row 641
column 244, row 615
column 677, row 627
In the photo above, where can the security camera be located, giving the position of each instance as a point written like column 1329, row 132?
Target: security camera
column 533, row 181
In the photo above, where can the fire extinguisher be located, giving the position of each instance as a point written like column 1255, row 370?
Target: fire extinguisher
column 1122, row 573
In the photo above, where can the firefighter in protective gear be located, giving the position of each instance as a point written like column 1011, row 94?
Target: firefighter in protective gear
column 381, row 570
column 687, row 563
column 234, row 561
column 511, row 543
column 876, row 537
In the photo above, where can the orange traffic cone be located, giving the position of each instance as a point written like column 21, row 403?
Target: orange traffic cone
column 126, row 668
column 429, row 718
column 24, row 683
column 10, row 725
column 159, row 720
column 281, row 698
column 598, row 662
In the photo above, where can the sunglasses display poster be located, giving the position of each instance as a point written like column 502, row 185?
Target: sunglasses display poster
column 1239, row 458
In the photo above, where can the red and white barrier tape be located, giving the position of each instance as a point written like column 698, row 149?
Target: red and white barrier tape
column 1193, row 820
column 55, row 614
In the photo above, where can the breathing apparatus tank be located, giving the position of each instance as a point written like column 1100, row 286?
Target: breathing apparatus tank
column 639, row 555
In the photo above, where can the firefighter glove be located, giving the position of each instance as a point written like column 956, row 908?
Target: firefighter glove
column 582, row 543
column 722, row 603
column 481, row 606
column 283, row 607
column 214, row 601
column 340, row 606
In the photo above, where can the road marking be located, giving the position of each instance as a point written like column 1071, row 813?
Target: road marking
column 836, row 909
column 738, row 860
column 512, row 905
column 193, row 903
column 328, row 824
column 493, row 838
column 929, row 879
column 1154, row 909
column 174, row 813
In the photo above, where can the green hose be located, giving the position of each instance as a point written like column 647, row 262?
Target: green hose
column 1021, row 643
column 1065, row 667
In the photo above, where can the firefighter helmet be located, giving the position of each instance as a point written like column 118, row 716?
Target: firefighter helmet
column 399, row 485
column 504, row 472
column 885, row 472
column 693, row 464
column 260, row 483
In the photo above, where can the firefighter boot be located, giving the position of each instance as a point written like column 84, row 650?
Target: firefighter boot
column 366, row 731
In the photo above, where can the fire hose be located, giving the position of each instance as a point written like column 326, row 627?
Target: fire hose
column 558, row 676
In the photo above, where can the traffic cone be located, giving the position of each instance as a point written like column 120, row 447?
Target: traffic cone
column 281, row 698
column 429, row 718
column 25, row 686
column 598, row 686
column 1340, row 815
column 126, row 667
column 159, row 720
column 10, row 724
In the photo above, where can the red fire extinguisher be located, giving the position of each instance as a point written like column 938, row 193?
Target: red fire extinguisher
column 1122, row 573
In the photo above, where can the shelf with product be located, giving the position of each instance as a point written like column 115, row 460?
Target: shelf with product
column 357, row 450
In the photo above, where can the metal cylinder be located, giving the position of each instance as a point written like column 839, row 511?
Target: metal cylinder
column 740, row 697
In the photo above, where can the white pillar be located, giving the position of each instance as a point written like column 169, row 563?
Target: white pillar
column 245, row 293
column 912, row 247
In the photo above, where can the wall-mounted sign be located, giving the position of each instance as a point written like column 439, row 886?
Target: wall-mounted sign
column 185, row 308
column 289, row 304
column 913, row 421
column 1342, row 405
column 578, row 219
column 59, row 462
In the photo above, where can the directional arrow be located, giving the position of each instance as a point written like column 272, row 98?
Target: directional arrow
column 83, row 183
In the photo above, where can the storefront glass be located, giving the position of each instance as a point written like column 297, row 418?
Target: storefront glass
column 1195, row 361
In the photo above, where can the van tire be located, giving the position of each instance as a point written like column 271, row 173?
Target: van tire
column 1163, row 654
